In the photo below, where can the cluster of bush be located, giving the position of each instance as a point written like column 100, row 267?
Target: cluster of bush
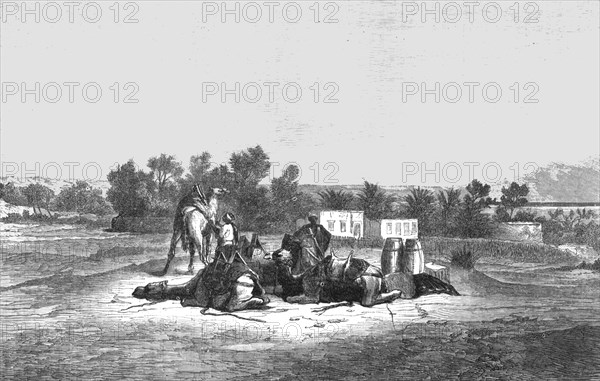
column 577, row 226
column 156, row 193
column 80, row 198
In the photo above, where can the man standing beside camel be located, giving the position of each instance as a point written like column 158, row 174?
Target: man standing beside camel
column 228, row 237
column 194, row 216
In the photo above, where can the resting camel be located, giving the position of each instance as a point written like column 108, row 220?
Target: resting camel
column 222, row 286
column 196, row 233
column 350, row 279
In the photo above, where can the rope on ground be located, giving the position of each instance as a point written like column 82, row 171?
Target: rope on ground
column 321, row 310
column 141, row 305
column 387, row 305
column 203, row 312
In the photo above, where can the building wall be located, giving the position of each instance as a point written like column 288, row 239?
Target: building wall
column 372, row 228
column 406, row 229
column 343, row 223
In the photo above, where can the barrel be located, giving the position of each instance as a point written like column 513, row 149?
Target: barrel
column 413, row 259
column 391, row 256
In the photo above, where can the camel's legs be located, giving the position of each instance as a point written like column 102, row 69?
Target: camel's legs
column 206, row 255
column 241, row 295
column 388, row 296
column 372, row 291
column 196, row 244
column 174, row 240
column 192, row 249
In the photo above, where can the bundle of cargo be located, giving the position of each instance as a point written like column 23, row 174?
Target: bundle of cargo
column 406, row 257
column 438, row 271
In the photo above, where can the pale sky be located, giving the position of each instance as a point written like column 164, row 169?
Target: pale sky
column 371, row 55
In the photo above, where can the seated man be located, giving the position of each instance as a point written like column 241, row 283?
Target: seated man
column 314, row 241
column 307, row 247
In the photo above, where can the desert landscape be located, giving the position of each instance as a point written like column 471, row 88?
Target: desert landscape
column 389, row 190
column 67, row 313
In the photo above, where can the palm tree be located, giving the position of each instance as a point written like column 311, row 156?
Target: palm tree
column 420, row 206
column 584, row 214
column 571, row 220
column 337, row 200
column 449, row 201
column 374, row 201
column 419, row 200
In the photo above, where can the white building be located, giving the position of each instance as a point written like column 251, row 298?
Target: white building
column 405, row 229
column 343, row 223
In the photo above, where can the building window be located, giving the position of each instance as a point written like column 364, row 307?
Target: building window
column 388, row 228
column 398, row 228
column 406, row 228
column 342, row 226
column 414, row 228
column 330, row 225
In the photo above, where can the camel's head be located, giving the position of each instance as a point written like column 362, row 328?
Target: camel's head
column 152, row 291
column 214, row 192
column 208, row 193
column 289, row 244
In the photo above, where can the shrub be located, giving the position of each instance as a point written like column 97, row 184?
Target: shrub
column 130, row 190
column 595, row 266
column 524, row 216
column 463, row 258
column 13, row 218
column 471, row 221
column 81, row 197
column 578, row 227
column 14, row 195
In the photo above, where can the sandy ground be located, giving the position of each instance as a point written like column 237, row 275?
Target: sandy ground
column 67, row 313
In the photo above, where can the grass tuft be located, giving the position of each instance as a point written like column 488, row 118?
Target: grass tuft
column 463, row 258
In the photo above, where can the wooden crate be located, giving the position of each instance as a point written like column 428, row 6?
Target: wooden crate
column 438, row 271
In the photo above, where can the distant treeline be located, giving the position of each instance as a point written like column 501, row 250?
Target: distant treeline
column 79, row 197
column 155, row 192
column 565, row 204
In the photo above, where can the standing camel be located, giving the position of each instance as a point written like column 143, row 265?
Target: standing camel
column 196, row 232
